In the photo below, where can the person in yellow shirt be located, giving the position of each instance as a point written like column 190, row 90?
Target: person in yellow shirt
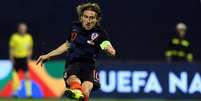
column 179, row 48
column 21, row 44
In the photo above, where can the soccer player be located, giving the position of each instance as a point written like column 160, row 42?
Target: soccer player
column 179, row 49
column 21, row 44
column 86, row 39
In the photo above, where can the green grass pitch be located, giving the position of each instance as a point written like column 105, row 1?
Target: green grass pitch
column 3, row 99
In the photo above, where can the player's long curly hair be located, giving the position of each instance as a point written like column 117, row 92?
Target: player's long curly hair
column 89, row 6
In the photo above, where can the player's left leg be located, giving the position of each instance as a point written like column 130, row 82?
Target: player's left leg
column 73, row 82
column 24, row 66
column 87, row 86
column 15, row 77
column 75, row 90
column 28, row 84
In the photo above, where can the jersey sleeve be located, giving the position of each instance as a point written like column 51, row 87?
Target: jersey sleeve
column 103, row 37
column 73, row 30
column 104, row 41
column 31, row 41
column 11, row 42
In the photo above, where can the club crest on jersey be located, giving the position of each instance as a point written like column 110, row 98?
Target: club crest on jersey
column 94, row 36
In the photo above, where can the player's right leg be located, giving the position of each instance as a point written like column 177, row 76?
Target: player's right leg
column 73, row 82
column 75, row 91
column 15, row 77
column 28, row 85
column 15, row 83
column 28, row 88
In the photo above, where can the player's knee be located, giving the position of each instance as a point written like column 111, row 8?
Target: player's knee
column 88, row 84
column 73, row 78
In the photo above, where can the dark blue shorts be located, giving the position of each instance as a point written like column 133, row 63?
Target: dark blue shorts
column 84, row 71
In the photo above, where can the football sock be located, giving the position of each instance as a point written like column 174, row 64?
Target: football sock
column 28, row 88
column 16, row 82
column 75, row 85
column 86, row 98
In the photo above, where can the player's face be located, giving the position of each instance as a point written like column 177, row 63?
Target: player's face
column 181, row 29
column 89, row 19
column 181, row 32
column 22, row 28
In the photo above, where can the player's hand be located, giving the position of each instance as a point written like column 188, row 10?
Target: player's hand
column 42, row 59
column 110, row 51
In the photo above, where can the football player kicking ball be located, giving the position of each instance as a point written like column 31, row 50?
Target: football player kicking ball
column 86, row 39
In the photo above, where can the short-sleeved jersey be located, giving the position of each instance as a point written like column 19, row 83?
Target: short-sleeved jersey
column 20, row 45
column 85, row 44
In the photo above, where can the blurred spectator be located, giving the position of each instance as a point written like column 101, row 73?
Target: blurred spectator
column 179, row 48
column 21, row 44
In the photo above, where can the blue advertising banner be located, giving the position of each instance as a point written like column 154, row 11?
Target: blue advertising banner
column 168, row 81
column 118, row 80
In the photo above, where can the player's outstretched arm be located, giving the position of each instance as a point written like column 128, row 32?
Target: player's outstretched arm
column 108, row 48
column 60, row 50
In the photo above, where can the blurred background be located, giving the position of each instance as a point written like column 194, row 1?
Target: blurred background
column 150, row 63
